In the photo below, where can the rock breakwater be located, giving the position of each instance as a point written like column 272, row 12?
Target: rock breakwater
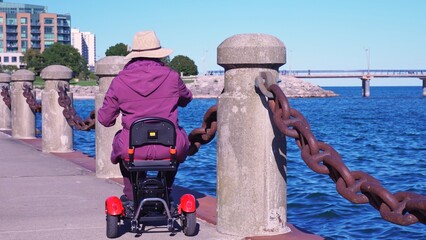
column 212, row 86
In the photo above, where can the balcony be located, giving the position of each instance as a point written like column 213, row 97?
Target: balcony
column 11, row 38
column 60, row 24
column 64, row 31
column 65, row 42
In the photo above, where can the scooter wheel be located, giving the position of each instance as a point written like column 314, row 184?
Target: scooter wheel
column 112, row 226
column 189, row 224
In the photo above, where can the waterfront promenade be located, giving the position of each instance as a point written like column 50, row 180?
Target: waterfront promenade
column 57, row 196
column 46, row 196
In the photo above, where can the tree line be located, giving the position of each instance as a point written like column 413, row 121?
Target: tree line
column 68, row 56
column 179, row 63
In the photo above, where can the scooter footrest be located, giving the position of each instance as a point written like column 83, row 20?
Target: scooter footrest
column 153, row 218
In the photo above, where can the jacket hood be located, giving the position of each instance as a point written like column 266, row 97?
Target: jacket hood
column 144, row 76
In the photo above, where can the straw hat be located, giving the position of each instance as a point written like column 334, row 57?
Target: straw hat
column 147, row 45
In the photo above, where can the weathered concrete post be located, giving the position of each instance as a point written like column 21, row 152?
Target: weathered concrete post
column 57, row 133
column 424, row 86
column 23, row 118
column 106, row 69
column 365, row 86
column 251, row 167
column 5, row 123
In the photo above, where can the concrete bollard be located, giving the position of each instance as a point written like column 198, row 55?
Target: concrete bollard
column 251, row 167
column 23, row 118
column 106, row 69
column 5, row 123
column 57, row 134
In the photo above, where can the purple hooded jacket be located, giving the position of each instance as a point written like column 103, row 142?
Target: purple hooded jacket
column 145, row 88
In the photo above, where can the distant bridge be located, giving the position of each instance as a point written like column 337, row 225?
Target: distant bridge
column 364, row 75
column 401, row 73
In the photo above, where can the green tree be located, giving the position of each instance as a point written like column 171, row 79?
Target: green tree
column 119, row 49
column 8, row 68
column 184, row 65
column 34, row 60
column 65, row 55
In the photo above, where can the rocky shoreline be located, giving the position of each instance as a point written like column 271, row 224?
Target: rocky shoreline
column 212, row 86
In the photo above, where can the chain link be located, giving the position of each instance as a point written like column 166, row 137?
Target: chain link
column 71, row 115
column 205, row 133
column 6, row 96
column 403, row 208
column 30, row 99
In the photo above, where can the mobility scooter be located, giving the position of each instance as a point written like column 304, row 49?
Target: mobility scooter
column 152, row 201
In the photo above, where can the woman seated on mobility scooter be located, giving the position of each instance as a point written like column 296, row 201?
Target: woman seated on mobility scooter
column 145, row 88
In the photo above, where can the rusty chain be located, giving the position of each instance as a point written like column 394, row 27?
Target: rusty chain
column 70, row 113
column 205, row 133
column 403, row 208
column 6, row 96
column 30, row 99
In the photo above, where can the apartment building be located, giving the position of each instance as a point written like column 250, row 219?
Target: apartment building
column 24, row 26
column 85, row 43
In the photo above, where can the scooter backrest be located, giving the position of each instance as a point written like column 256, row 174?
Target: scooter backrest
column 152, row 130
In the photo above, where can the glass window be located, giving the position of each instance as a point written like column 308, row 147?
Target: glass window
column 48, row 33
column 48, row 21
column 14, row 59
column 48, row 43
column 24, row 46
column 24, row 30
column 48, row 29
column 6, row 59
column 11, row 21
column 24, row 20
column 1, row 20
column 49, row 36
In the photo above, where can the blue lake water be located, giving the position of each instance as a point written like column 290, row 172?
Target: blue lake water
column 383, row 135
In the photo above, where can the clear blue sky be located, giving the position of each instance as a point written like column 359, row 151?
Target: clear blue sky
column 328, row 34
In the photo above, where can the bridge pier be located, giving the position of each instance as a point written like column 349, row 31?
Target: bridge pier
column 5, row 123
column 106, row 69
column 366, row 86
column 57, row 133
column 251, row 165
column 23, row 118
column 424, row 86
